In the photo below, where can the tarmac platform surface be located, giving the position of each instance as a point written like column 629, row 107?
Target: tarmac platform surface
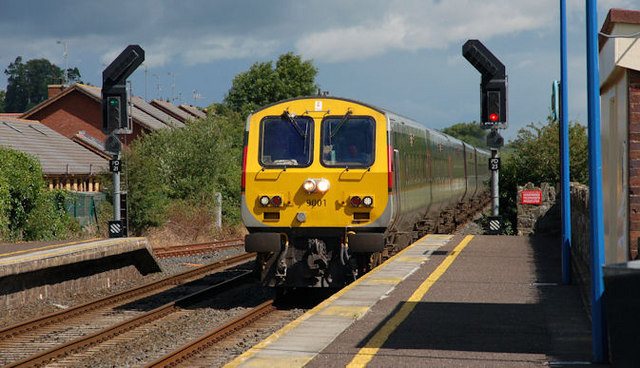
column 463, row 301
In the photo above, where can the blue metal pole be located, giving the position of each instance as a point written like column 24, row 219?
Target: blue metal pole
column 598, row 321
column 565, row 199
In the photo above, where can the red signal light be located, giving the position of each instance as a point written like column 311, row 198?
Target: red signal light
column 276, row 201
column 493, row 117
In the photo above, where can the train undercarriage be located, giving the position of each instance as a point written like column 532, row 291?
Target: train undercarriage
column 325, row 259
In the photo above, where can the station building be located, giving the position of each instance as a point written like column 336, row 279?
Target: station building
column 619, row 63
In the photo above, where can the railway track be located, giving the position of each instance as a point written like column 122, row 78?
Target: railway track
column 205, row 350
column 28, row 337
column 191, row 249
column 78, row 350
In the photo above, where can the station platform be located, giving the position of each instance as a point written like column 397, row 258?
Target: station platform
column 33, row 271
column 445, row 301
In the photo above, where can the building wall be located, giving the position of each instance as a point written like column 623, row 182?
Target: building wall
column 614, row 136
column 72, row 113
column 75, row 112
column 634, row 161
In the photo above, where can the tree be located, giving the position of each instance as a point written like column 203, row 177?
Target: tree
column 27, row 82
column 29, row 211
column 2, row 98
column 472, row 133
column 534, row 157
column 263, row 84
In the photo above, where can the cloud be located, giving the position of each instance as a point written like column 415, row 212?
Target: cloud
column 198, row 50
column 219, row 48
column 427, row 25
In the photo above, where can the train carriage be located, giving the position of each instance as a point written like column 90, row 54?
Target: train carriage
column 327, row 182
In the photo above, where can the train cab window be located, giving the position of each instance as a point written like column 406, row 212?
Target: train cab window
column 286, row 141
column 348, row 141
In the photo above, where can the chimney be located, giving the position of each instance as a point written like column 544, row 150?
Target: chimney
column 54, row 89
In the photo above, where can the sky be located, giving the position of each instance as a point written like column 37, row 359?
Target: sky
column 405, row 56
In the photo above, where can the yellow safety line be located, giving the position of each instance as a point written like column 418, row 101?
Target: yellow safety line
column 47, row 247
column 372, row 346
column 274, row 336
column 61, row 251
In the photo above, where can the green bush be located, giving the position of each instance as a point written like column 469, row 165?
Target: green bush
column 187, row 165
column 28, row 211
column 534, row 156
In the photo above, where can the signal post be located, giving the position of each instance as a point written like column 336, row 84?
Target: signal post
column 493, row 114
column 115, row 120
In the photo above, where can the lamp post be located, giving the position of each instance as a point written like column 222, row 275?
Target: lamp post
column 64, row 44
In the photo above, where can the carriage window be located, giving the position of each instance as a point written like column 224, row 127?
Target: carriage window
column 286, row 141
column 348, row 141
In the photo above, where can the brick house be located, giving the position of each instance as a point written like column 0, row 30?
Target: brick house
column 175, row 112
column 619, row 63
column 76, row 113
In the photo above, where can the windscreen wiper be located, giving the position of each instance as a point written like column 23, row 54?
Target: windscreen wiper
column 288, row 117
column 340, row 124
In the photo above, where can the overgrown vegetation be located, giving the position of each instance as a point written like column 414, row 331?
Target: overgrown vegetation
column 173, row 175
column 29, row 211
column 534, row 157
column 176, row 173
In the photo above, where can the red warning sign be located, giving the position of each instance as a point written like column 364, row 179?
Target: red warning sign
column 531, row 197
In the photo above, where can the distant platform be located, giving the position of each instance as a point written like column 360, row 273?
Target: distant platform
column 37, row 271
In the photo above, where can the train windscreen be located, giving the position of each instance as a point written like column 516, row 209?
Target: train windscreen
column 348, row 141
column 286, row 141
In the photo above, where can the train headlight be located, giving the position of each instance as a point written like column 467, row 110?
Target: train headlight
column 323, row 185
column 309, row 185
column 356, row 201
column 276, row 201
column 264, row 201
column 367, row 201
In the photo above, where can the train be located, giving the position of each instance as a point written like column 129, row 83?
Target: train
column 332, row 186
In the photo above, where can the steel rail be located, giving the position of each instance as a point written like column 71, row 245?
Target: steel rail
column 184, row 353
column 85, row 342
column 56, row 317
column 191, row 249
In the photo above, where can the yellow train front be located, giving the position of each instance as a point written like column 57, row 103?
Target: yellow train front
column 331, row 186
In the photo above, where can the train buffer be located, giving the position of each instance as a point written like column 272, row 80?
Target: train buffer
column 446, row 301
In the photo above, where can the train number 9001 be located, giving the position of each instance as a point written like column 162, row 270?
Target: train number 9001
column 317, row 202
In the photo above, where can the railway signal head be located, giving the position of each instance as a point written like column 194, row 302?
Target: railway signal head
column 493, row 110
column 114, row 120
column 114, row 93
column 493, row 88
